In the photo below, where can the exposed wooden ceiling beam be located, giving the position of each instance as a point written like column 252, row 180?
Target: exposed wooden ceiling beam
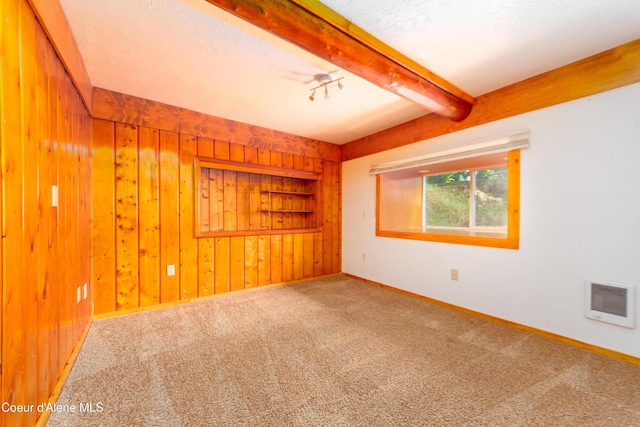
column 332, row 38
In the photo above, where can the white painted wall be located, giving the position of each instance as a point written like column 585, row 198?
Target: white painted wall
column 580, row 217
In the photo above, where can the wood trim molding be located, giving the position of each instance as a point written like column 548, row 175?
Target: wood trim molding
column 545, row 334
column 307, row 28
column 55, row 24
column 117, row 107
column 605, row 71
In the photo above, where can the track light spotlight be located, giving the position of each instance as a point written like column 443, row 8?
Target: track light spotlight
column 324, row 81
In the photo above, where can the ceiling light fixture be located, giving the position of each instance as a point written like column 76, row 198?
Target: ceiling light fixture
column 325, row 81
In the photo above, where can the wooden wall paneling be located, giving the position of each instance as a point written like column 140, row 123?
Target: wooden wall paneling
column 130, row 109
column 236, row 152
column 63, row 247
column 243, row 201
column 277, row 184
column 298, row 256
column 298, row 203
column 216, row 200
column 54, row 289
column 3, row 137
column 230, row 204
column 318, row 238
column 222, row 276
column 46, row 377
column 236, row 265
column 30, row 139
column 250, row 261
column 336, row 217
column 265, row 261
column 127, row 243
column 169, row 216
column 149, row 216
column 84, row 212
column 72, row 213
column 264, row 158
column 308, row 238
column 219, row 215
column 287, row 257
column 288, row 200
column 103, row 229
column 188, row 243
column 328, row 228
column 12, row 169
column 57, row 27
column 255, row 180
column 235, row 208
column 205, row 245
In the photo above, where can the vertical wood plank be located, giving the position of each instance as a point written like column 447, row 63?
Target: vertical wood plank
column 188, row 243
column 277, row 219
column 298, row 256
column 169, row 215
column 243, row 196
column 264, row 260
column 250, row 261
column 64, row 284
column 46, row 377
column 307, row 258
column 287, row 257
column 30, row 138
column 236, row 255
column 149, row 189
column 327, row 229
column 103, row 217
column 54, row 291
column 336, row 218
column 318, row 239
column 205, row 246
column 264, row 158
column 230, row 210
column 126, row 217
column 12, row 170
column 222, row 276
column 216, row 200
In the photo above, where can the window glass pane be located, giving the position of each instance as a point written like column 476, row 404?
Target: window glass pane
column 491, row 197
column 447, row 200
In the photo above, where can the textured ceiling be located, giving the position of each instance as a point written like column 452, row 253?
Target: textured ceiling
column 190, row 54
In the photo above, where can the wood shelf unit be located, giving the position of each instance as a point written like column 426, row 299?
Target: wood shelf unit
column 239, row 199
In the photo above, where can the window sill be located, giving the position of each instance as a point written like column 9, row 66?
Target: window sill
column 463, row 237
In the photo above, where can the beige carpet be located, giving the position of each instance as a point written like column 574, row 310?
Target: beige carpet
column 336, row 352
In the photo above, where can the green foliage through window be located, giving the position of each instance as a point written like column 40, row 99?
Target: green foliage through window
column 448, row 201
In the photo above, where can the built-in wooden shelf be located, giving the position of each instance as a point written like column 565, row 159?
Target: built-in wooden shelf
column 246, row 199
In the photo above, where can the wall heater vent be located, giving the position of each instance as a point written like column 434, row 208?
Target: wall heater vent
column 610, row 302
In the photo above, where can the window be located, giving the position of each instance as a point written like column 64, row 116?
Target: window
column 472, row 200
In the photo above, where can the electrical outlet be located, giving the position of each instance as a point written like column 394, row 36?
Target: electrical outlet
column 454, row 274
column 171, row 270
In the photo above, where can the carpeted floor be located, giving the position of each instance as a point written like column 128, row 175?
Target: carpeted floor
column 336, row 352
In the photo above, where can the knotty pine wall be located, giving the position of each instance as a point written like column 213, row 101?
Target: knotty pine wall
column 45, row 139
column 143, row 209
